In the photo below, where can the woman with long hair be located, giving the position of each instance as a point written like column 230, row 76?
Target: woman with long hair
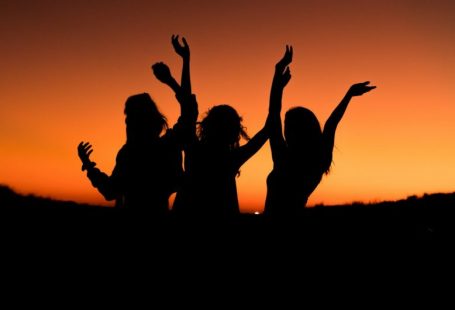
column 304, row 154
column 213, row 157
column 149, row 166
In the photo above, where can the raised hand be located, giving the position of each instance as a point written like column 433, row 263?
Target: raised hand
column 285, row 77
column 360, row 88
column 282, row 71
column 84, row 150
column 286, row 60
column 162, row 72
column 181, row 49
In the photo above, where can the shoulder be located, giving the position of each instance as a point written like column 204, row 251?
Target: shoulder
column 122, row 153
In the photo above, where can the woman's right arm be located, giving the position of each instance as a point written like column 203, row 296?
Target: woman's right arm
column 183, row 50
column 185, row 129
column 272, row 127
column 280, row 80
column 332, row 122
column 183, row 93
column 107, row 186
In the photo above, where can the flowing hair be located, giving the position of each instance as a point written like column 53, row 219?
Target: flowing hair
column 142, row 107
column 304, row 134
column 222, row 125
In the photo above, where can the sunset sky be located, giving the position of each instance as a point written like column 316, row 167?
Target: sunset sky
column 67, row 68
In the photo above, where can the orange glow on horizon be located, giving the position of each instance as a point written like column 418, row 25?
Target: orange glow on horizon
column 67, row 69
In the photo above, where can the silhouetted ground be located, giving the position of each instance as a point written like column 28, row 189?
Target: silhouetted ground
column 325, row 246
column 414, row 219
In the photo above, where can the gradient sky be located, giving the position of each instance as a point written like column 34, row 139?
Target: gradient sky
column 67, row 68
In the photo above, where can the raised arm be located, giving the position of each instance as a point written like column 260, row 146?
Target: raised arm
column 183, row 92
column 187, row 101
column 272, row 127
column 337, row 114
column 280, row 80
column 185, row 129
column 184, row 51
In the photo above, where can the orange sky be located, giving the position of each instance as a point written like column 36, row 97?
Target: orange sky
column 67, row 68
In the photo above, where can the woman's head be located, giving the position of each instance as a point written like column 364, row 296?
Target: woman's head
column 303, row 136
column 302, row 129
column 143, row 119
column 222, row 126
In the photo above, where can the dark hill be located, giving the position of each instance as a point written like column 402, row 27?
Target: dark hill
column 428, row 217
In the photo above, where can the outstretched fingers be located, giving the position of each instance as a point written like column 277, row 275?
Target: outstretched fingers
column 181, row 49
column 83, row 146
column 84, row 149
column 175, row 42
column 287, row 58
column 368, row 87
column 289, row 53
column 360, row 88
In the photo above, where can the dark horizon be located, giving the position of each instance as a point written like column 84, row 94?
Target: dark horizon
column 6, row 190
column 428, row 218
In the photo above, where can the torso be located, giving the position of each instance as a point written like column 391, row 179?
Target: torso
column 150, row 174
column 209, row 187
column 290, row 184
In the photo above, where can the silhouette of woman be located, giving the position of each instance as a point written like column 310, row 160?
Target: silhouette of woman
column 213, row 157
column 149, row 166
column 304, row 154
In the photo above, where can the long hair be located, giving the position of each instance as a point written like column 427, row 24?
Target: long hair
column 222, row 126
column 303, row 135
column 143, row 117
